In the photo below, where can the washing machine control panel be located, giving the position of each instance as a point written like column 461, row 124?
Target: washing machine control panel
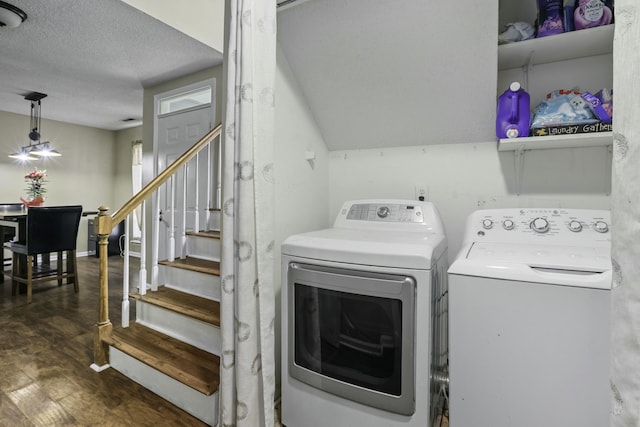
column 386, row 212
column 560, row 225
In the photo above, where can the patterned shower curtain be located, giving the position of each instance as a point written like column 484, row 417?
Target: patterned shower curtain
column 247, row 306
column 625, row 209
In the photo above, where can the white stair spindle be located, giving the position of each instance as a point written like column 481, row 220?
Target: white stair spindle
column 125, row 276
column 207, row 212
column 218, row 144
column 155, row 229
column 196, row 207
column 183, row 228
column 172, row 222
column 142, row 285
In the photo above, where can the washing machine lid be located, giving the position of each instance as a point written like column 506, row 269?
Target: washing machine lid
column 368, row 247
column 581, row 266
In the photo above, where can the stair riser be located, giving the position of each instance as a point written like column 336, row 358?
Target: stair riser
column 192, row 282
column 203, row 248
column 214, row 221
column 187, row 329
column 197, row 404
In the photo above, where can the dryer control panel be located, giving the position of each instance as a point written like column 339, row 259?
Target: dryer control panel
column 552, row 226
column 410, row 216
column 385, row 212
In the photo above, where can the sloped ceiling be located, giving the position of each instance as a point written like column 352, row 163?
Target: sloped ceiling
column 390, row 73
column 205, row 25
column 93, row 58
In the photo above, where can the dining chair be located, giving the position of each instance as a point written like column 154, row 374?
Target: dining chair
column 49, row 230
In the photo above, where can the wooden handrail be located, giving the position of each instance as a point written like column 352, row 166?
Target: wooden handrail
column 103, row 225
column 163, row 177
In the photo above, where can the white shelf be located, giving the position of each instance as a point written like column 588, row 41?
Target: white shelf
column 560, row 47
column 599, row 139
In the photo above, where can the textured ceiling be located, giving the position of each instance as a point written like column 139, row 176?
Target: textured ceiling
column 93, row 58
column 390, row 73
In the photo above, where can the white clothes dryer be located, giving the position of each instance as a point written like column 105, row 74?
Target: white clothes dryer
column 529, row 319
column 364, row 317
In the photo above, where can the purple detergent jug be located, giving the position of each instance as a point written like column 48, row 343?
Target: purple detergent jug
column 514, row 113
column 550, row 20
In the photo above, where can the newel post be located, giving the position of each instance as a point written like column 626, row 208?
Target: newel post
column 103, row 328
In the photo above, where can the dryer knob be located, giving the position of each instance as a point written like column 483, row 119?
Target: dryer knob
column 575, row 226
column 539, row 225
column 383, row 211
column 601, row 226
column 487, row 224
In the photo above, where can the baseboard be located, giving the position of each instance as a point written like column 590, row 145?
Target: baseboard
column 99, row 368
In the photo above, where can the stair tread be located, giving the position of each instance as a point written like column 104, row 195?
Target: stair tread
column 203, row 309
column 191, row 366
column 212, row 234
column 195, row 264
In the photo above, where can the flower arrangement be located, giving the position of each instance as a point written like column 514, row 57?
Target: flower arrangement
column 36, row 180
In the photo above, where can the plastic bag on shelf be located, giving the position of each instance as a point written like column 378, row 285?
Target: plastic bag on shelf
column 515, row 32
column 563, row 107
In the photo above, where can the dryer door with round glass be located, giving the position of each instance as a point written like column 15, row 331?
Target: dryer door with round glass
column 346, row 334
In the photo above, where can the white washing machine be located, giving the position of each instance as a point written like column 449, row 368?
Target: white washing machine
column 529, row 319
column 364, row 318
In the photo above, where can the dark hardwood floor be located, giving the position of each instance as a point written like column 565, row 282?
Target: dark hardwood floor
column 46, row 349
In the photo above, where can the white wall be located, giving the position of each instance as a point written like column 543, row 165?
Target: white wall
column 302, row 187
column 376, row 70
column 464, row 177
column 83, row 175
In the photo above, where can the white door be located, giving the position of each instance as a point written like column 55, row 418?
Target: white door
column 176, row 133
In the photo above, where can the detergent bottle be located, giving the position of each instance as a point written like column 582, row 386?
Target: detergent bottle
column 513, row 115
column 592, row 13
column 550, row 17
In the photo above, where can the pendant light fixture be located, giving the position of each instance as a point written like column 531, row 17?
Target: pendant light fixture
column 11, row 16
column 36, row 148
column 23, row 154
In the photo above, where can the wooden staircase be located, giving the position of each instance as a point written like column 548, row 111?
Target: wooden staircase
column 173, row 346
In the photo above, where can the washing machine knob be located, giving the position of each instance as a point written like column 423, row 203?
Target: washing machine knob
column 383, row 211
column 487, row 224
column 539, row 225
column 575, row 226
column 507, row 224
column 601, row 226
